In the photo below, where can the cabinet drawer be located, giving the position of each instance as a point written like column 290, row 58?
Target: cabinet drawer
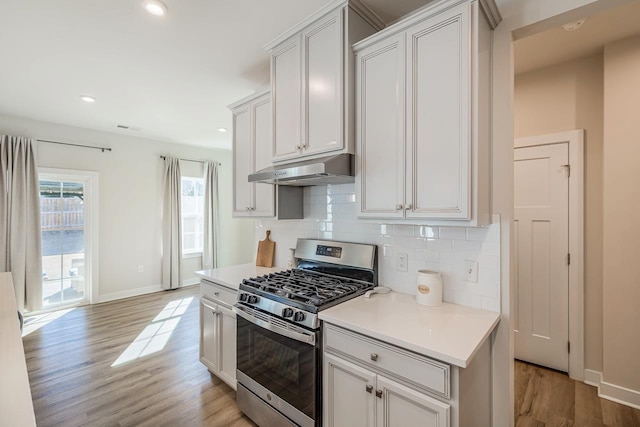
column 412, row 368
column 218, row 293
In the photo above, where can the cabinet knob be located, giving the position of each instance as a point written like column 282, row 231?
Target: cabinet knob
column 398, row 207
column 369, row 388
column 408, row 207
column 216, row 294
column 379, row 394
column 374, row 357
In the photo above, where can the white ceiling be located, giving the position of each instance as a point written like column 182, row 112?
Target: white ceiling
column 557, row 45
column 170, row 76
column 173, row 76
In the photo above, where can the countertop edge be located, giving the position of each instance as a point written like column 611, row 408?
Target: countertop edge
column 429, row 352
column 16, row 404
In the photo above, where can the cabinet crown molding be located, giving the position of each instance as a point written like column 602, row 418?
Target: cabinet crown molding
column 488, row 7
column 255, row 95
column 360, row 8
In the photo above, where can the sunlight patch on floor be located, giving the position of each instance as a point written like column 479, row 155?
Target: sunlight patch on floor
column 156, row 335
column 35, row 322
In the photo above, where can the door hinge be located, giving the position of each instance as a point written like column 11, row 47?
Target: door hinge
column 568, row 259
column 568, row 169
column 568, row 346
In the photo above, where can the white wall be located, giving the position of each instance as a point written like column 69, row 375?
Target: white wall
column 330, row 213
column 621, row 217
column 130, row 201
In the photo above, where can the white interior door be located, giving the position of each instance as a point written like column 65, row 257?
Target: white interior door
column 541, row 233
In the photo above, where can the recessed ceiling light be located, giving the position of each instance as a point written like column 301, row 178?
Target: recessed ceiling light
column 223, row 130
column 572, row 26
column 89, row 99
column 155, row 7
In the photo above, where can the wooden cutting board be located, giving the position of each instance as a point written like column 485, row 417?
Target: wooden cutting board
column 266, row 251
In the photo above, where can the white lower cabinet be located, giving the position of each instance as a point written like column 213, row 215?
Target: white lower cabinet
column 218, row 333
column 367, row 383
column 355, row 397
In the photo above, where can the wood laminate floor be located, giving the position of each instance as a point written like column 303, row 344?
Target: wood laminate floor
column 75, row 380
column 545, row 398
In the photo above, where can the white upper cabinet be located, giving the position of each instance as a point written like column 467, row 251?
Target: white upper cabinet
column 287, row 100
column 380, row 123
column 423, row 125
column 439, row 117
column 251, row 152
column 311, row 79
column 322, row 48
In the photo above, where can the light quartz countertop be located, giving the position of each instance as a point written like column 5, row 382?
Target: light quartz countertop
column 16, row 406
column 451, row 333
column 232, row 276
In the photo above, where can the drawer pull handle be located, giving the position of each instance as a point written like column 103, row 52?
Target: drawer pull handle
column 217, row 294
column 379, row 394
column 374, row 357
column 369, row 388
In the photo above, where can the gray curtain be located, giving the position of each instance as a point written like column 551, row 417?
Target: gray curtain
column 171, row 224
column 211, row 216
column 20, row 240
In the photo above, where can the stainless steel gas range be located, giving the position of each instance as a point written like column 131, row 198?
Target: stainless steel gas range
column 279, row 342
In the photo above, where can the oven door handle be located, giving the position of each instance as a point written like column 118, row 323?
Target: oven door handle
column 305, row 338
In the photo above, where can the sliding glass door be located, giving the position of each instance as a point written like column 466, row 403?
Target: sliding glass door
column 66, row 237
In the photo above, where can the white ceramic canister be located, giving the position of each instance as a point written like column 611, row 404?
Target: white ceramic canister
column 429, row 288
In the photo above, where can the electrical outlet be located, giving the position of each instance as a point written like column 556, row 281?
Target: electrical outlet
column 471, row 271
column 402, row 262
column 141, row 268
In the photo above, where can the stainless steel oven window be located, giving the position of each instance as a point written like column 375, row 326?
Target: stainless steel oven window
column 286, row 367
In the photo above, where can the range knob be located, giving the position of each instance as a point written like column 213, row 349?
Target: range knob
column 243, row 297
column 287, row 312
column 299, row 316
column 252, row 299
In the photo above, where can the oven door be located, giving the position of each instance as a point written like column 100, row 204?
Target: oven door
column 280, row 361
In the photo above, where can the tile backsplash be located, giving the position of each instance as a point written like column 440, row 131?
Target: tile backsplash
column 330, row 213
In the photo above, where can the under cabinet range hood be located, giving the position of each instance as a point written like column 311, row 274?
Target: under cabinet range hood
column 336, row 169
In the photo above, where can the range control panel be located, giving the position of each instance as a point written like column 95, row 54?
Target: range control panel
column 330, row 251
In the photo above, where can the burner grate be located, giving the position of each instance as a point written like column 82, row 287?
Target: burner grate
column 306, row 286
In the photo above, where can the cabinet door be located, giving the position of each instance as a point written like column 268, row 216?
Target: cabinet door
column 242, row 162
column 322, row 83
column 348, row 394
column 227, row 347
column 286, row 96
column 380, row 129
column 209, row 335
column 264, row 193
column 400, row 406
column 439, row 116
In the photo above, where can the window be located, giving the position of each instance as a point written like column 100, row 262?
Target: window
column 192, row 215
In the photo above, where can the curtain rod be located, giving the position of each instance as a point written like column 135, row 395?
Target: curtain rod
column 75, row 145
column 189, row 160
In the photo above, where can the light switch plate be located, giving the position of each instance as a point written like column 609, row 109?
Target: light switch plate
column 471, row 271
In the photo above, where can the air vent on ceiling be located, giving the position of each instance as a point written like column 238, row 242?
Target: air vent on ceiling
column 125, row 127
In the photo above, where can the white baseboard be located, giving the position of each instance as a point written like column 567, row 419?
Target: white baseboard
column 612, row 392
column 191, row 282
column 129, row 293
